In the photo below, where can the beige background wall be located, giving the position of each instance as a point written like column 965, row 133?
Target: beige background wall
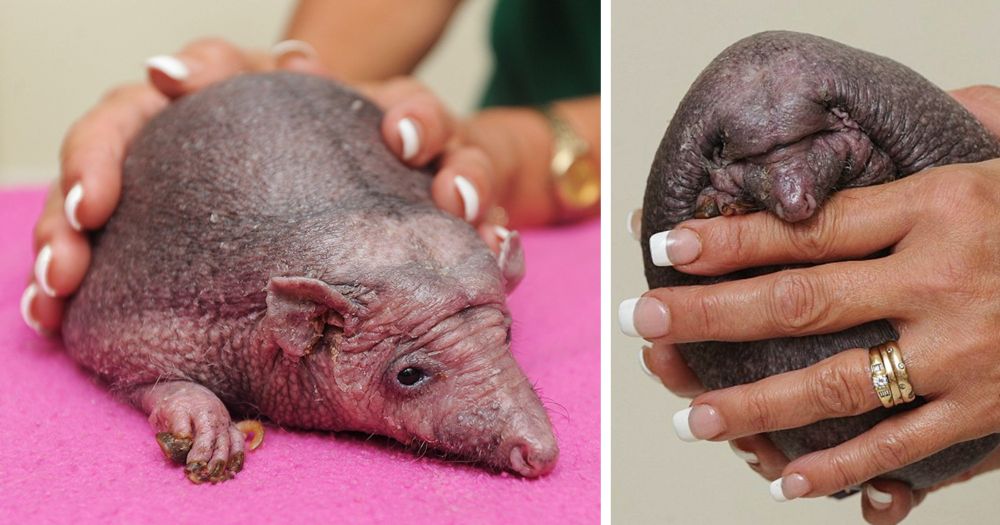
column 57, row 57
column 657, row 50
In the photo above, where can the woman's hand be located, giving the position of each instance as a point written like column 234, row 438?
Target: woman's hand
column 937, row 288
column 416, row 127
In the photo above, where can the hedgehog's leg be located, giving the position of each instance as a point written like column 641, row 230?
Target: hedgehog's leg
column 194, row 429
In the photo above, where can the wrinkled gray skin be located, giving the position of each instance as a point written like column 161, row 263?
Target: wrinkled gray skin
column 271, row 257
column 778, row 122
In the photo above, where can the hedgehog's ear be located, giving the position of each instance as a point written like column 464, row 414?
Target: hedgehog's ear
column 300, row 310
column 511, row 260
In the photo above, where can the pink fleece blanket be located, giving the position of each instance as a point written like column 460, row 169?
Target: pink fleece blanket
column 70, row 453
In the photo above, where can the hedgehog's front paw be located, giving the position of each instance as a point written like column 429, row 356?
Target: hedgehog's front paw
column 195, row 430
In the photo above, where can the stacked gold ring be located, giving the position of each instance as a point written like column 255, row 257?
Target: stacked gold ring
column 889, row 376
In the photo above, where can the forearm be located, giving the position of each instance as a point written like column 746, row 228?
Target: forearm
column 368, row 40
column 519, row 142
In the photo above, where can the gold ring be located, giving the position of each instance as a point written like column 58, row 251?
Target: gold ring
column 880, row 380
column 897, row 397
column 899, row 369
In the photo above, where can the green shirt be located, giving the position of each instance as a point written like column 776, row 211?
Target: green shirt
column 544, row 50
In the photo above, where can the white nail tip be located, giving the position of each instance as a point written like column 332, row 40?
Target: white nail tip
column 776, row 491
column 501, row 232
column 631, row 225
column 42, row 270
column 642, row 364
column 293, row 46
column 470, row 198
column 749, row 457
column 170, row 66
column 682, row 427
column 73, row 199
column 26, row 299
column 881, row 500
column 410, row 137
column 658, row 249
column 626, row 317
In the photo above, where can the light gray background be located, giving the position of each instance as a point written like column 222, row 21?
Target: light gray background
column 57, row 57
column 657, row 49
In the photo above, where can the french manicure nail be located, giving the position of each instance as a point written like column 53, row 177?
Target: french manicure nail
column 697, row 423
column 293, row 46
column 745, row 455
column 470, row 198
column 42, row 263
column 72, row 202
column 789, row 487
column 26, row 299
column 633, row 223
column 672, row 247
column 879, row 500
column 642, row 363
column 643, row 317
column 170, row 66
column 501, row 232
column 410, row 137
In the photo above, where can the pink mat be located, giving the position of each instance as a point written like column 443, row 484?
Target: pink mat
column 70, row 453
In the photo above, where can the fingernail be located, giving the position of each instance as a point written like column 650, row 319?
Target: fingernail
column 633, row 223
column 42, row 263
column 747, row 456
column 411, row 138
column 642, row 363
column 293, row 46
column 643, row 317
column 789, row 487
column 501, row 232
column 879, row 500
column 26, row 299
column 73, row 199
column 470, row 198
column 697, row 423
column 680, row 246
column 169, row 65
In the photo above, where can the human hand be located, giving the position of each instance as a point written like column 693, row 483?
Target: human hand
column 936, row 287
column 916, row 228
column 416, row 127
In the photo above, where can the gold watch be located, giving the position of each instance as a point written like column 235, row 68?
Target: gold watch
column 575, row 179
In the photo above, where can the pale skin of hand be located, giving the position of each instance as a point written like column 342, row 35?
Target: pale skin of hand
column 503, row 153
column 937, row 287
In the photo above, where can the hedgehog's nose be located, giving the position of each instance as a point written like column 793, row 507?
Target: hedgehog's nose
column 533, row 458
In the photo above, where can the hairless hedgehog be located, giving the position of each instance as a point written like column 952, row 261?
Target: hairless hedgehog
column 271, row 258
column 778, row 122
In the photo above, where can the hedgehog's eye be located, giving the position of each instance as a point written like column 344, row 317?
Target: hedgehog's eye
column 507, row 340
column 410, row 376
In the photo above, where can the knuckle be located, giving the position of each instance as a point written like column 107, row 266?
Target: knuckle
column 835, row 393
column 212, row 46
column 982, row 92
column 707, row 308
column 406, row 84
column 816, row 237
column 117, row 93
column 731, row 242
column 757, row 410
column 889, row 453
column 956, row 190
column 843, row 472
column 796, row 302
